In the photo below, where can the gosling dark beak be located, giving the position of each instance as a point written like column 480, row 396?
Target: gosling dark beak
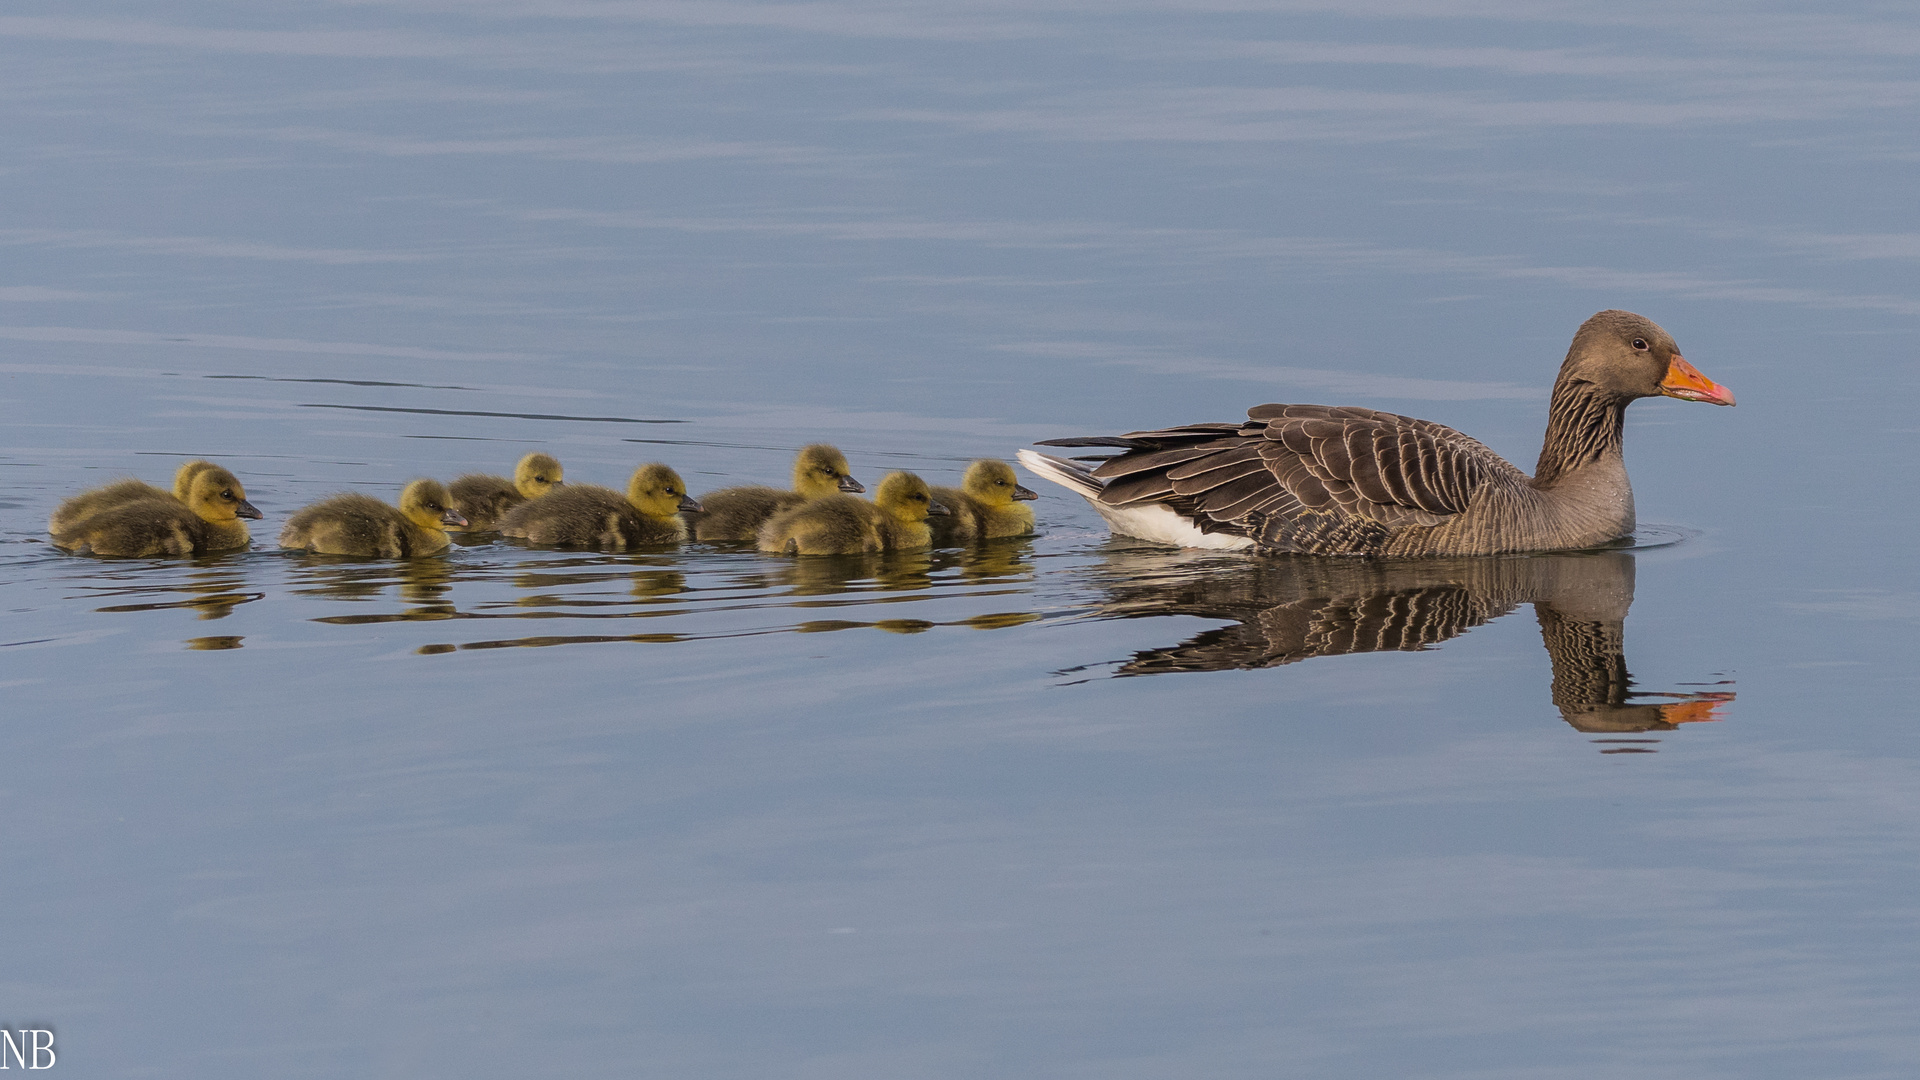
column 559, row 483
column 691, row 505
column 851, row 486
column 1022, row 494
column 248, row 510
column 451, row 517
column 934, row 509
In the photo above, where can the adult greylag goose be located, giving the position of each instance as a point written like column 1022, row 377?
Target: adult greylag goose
column 483, row 500
column 590, row 516
column 356, row 524
column 1322, row 480
column 736, row 513
column 206, row 519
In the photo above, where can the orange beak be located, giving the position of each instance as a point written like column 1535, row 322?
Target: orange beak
column 1685, row 382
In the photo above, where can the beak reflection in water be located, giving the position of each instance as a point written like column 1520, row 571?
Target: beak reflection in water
column 1286, row 610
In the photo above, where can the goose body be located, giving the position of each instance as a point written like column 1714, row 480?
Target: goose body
column 1325, row 480
column 986, row 506
column 736, row 513
column 84, row 505
column 483, row 500
column 356, row 524
column 207, row 520
column 844, row 525
column 590, row 516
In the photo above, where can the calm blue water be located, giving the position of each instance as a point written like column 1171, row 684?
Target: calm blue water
column 1060, row 808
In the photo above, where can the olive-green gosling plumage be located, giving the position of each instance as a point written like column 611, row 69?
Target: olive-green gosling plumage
column 736, row 513
column 844, row 525
column 483, row 500
column 590, row 516
column 206, row 520
column 84, row 505
column 986, row 506
column 356, row 524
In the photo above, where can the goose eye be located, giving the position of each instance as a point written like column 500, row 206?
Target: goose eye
column 1640, row 344
column 227, row 495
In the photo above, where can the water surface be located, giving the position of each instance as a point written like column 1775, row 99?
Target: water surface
column 1061, row 806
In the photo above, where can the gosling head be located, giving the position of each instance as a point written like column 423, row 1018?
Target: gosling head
column 822, row 470
column 183, row 476
column 993, row 483
column 426, row 504
column 658, row 492
column 214, row 494
column 536, row 475
column 907, row 497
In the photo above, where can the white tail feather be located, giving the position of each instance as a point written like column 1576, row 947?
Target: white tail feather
column 1146, row 521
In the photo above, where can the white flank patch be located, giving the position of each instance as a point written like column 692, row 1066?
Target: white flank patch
column 1154, row 522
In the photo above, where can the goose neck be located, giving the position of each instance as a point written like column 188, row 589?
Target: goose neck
column 1584, row 426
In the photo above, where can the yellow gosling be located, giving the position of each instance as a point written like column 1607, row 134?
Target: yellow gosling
column 206, row 521
column 590, row 516
column 986, row 506
column 843, row 525
column 356, row 524
column 736, row 513
column 84, row 505
column 483, row 500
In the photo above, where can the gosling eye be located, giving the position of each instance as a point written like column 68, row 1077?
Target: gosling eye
column 227, row 495
column 1640, row 344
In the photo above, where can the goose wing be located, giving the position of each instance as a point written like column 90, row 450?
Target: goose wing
column 1344, row 470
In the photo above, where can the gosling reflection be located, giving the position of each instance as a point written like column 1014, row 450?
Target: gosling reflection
column 212, row 592
column 424, row 583
column 1285, row 610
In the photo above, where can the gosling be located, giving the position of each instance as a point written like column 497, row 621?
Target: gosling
column 986, row 506
column 736, row 513
column 356, row 524
column 88, row 503
column 842, row 525
column 207, row 520
column 590, row 516
column 483, row 500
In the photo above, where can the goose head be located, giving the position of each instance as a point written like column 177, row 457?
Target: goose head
column 993, row 483
column 426, row 504
column 659, row 493
column 907, row 498
column 536, row 475
column 822, row 470
column 1623, row 356
column 183, row 476
column 214, row 494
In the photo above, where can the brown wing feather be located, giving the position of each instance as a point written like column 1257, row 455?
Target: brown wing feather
column 1315, row 474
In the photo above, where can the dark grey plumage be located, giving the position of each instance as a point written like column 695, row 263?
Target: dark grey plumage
column 1320, row 479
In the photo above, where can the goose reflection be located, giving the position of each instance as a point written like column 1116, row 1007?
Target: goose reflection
column 1285, row 610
